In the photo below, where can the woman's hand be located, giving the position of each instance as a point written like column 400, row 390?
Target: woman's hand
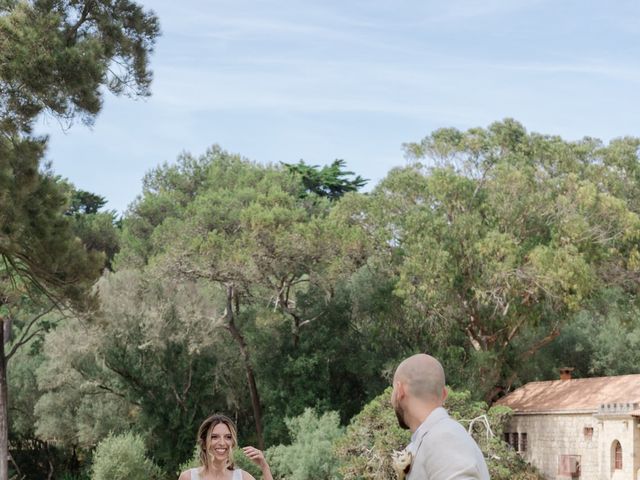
column 257, row 457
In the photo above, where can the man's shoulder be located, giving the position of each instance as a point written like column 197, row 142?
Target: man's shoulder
column 446, row 433
column 440, row 421
column 446, row 423
column 447, row 448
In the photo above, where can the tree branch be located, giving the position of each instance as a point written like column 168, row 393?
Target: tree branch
column 86, row 10
column 25, row 337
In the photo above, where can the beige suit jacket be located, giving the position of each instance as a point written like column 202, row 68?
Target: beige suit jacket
column 443, row 450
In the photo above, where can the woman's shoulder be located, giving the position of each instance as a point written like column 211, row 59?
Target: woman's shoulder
column 187, row 475
column 240, row 474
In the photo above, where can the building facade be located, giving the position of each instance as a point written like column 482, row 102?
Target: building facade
column 578, row 428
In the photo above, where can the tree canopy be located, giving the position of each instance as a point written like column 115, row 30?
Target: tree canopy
column 501, row 236
column 56, row 57
column 237, row 288
column 328, row 181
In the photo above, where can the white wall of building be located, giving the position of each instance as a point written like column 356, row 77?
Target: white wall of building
column 551, row 435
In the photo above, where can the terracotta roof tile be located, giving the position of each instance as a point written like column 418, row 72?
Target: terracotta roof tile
column 580, row 394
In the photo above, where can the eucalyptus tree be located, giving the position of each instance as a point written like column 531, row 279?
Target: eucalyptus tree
column 498, row 235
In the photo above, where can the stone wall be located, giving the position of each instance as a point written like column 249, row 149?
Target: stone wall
column 588, row 436
column 622, row 429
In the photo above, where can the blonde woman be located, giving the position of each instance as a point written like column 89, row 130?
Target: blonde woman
column 217, row 437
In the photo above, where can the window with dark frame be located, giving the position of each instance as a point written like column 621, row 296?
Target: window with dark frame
column 588, row 433
column 517, row 441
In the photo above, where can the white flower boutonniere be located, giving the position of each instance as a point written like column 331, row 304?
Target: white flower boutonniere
column 402, row 462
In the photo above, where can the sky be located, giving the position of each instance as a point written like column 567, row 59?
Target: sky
column 285, row 80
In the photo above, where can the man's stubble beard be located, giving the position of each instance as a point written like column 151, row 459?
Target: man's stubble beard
column 400, row 416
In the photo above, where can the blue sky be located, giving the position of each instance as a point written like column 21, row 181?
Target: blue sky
column 277, row 80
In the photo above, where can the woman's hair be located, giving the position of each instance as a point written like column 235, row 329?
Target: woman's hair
column 204, row 433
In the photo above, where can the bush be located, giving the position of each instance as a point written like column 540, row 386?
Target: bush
column 365, row 450
column 310, row 456
column 502, row 460
column 122, row 457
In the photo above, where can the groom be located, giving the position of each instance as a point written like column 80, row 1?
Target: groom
column 441, row 448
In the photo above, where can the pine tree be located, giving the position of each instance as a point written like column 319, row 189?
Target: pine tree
column 55, row 56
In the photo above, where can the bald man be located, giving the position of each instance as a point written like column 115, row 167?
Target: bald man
column 441, row 448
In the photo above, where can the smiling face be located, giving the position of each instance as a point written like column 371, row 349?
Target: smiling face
column 220, row 442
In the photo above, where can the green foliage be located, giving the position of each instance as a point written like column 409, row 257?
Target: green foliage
column 240, row 229
column 592, row 342
column 243, row 462
column 71, row 476
column 502, row 239
column 365, row 450
column 310, row 455
column 151, row 362
column 97, row 229
column 37, row 459
column 193, row 462
column 327, row 181
column 503, row 462
column 372, row 435
column 99, row 233
column 40, row 250
column 511, row 254
column 55, row 56
column 122, row 457
column 83, row 203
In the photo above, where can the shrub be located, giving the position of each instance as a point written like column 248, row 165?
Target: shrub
column 365, row 450
column 310, row 456
column 122, row 457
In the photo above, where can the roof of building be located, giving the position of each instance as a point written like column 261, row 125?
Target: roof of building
column 580, row 394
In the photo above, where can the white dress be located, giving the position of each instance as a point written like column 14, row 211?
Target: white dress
column 195, row 474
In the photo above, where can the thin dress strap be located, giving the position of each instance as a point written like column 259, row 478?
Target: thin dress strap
column 194, row 474
column 237, row 474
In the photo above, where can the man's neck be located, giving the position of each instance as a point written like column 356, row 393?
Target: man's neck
column 421, row 413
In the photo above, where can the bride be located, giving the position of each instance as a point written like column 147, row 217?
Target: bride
column 217, row 437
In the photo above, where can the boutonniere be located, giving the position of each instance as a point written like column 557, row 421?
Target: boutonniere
column 401, row 461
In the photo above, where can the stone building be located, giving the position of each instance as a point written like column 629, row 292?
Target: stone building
column 587, row 428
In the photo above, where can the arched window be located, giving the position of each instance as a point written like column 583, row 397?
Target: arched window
column 617, row 455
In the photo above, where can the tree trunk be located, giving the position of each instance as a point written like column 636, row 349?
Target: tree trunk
column 4, row 415
column 246, row 359
column 498, row 390
column 251, row 380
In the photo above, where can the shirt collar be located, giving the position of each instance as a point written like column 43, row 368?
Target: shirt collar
column 435, row 415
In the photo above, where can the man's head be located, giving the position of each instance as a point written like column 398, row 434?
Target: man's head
column 418, row 388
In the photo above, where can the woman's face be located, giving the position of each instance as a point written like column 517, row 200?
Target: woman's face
column 220, row 442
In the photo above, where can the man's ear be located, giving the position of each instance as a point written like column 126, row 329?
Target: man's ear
column 445, row 393
column 400, row 390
